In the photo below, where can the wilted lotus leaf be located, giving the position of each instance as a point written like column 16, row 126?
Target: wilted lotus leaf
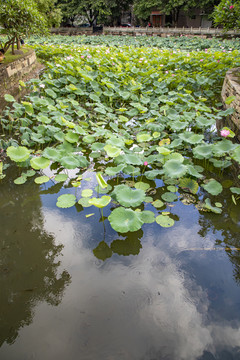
column 130, row 197
column 164, row 221
column 18, row 153
column 189, row 185
column 100, row 202
column 40, row 162
column 174, row 169
column 124, row 220
column 66, row 201
column 41, row 179
column 213, row 187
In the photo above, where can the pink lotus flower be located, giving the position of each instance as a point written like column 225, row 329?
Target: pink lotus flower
column 224, row 132
column 145, row 163
column 231, row 7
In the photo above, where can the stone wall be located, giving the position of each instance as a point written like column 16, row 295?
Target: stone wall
column 11, row 73
column 231, row 87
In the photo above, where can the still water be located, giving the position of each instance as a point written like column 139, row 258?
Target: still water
column 72, row 288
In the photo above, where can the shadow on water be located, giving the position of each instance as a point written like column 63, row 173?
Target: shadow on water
column 29, row 259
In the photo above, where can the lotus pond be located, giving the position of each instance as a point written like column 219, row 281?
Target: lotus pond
column 120, row 204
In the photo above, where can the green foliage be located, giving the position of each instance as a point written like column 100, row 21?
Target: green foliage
column 226, row 14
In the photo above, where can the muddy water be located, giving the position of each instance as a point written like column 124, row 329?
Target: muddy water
column 72, row 288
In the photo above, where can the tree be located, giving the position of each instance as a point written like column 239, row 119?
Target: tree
column 117, row 8
column 52, row 13
column 227, row 14
column 20, row 18
column 143, row 8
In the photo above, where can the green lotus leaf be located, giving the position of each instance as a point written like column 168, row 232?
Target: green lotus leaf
column 164, row 221
column 162, row 150
column 105, row 190
column 148, row 199
column 152, row 174
column 20, row 180
column 100, row 202
column 214, row 209
column 143, row 137
column 59, row 136
column 131, row 170
column 40, row 162
column 66, row 201
column 189, row 185
column 87, row 193
column 18, row 154
column 41, row 179
column 97, row 146
column 190, row 137
column 116, row 141
column 148, row 217
column 61, row 177
column 213, row 187
column 204, row 122
column 169, row 197
column 70, row 162
column 175, row 156
column 84, row 202
column 29, row 173
column 203, row 151
column 101, row 182
column 125, row 220
column 130, row 197
column 157, row 204
column 172, row 188
column 9, row 98
column 112, row 151
column 114, row 170
column 44, row 119
column 142, row 185
column 179, row 125
column 192, row 170
column 72, row 137
column 174, row 169
column 236, row 154
column 223, row 147
column 132, row 159
column 235, row 190
column 89, row 139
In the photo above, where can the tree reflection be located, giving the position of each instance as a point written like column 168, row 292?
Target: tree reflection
column 29, row 269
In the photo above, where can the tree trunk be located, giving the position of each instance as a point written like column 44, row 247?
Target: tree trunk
column 18, row 44
column 13, row 43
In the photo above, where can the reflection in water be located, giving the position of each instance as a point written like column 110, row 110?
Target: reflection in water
column 28, row 259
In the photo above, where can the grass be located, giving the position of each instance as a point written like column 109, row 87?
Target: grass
column 9, row 57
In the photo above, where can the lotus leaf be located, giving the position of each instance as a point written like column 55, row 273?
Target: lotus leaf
column 18, row 154
column 174, row 169
column 213, row 187
column 162, row 150
column 61, row 177
column 203, row 151
column 20, row 180
column 84, row 202
column 164, row 221
column 9, row 98
column 105, row 190
column 223, row 147
column 148, row 217
column 38, row 163
column 172, row 188
column 100, row 202
column 66, row 201
column 169, row 197
column 89, row 139
column 143, row 137
column 112, row 151
column 41, row 179
column 189, row 185
column 114, row 170
column 235, row 190
column 130, row 197
column 71, row 137
column 52, row 154
column 158, row 204
column 214, row 209
column 124, row 220
column 142, row 185
column 101, row 182
column 70, row 162
column 87, row 193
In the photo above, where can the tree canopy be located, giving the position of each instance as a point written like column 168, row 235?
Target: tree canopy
column 227, row 14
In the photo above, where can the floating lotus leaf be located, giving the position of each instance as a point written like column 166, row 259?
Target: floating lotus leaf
column 172, row 188
column 116, row 141
column 18, row 153
column 84, row 202
column 20, row 180
column 235, row 190
column 40, row 162
column 203, row 151
column 112, row 151
column 152, row 174
column 148, row 217
column 100, row 202
column 87, row 193
column 105, row 190
column 142, row 185
column 66, row 201
column 59, row 136
column 61, row 177
column 41, row 179
column 97, row 146
column 213, row 187
column 218, row 204
column 148, row 199
column 174, row 169
column 114, row 170
column 125, row 220
column 143, row 137
column 169, row 197
column 89, row 139
column 130, row 197
column 190, row 137
column 157, row 203
column 236, row 154
column 179, row 125
column 70, row 162
column 214, row 209
column 52, row 154
column 102, row 251
column 164, row 142
column 189, row 185
column 71, row 137
column 164, row 221
column 193, row 171
column 29, row 173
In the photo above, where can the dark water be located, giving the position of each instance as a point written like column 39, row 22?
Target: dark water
column 72, row 288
